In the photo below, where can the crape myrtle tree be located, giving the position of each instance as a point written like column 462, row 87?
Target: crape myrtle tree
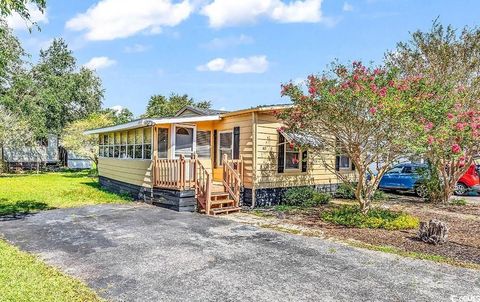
column 445, row 111
column 356, row 111
column 8, row 7
column 74, row 139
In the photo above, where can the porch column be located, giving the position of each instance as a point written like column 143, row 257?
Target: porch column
column 155, row 155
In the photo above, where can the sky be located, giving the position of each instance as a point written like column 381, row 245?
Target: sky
column 234, row 53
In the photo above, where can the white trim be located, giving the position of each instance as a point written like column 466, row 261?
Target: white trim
column 220, row 159
column 154, row 121
column 174, row 131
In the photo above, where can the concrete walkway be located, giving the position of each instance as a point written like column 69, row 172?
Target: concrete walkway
column 143, row 253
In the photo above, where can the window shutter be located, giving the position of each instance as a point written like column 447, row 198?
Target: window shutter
column 281, row 153
column 353, row 165
column 304, row 161
column 337, row 163
column 215, row 148
column 236, row 142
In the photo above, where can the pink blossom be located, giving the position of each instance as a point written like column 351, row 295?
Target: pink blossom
column 450, row 116
column 428, row 126
column 460, row 126
column 430, row 140
column 355, row 77
column 383, row 92
column 312, row 90
column 373, row 87
column 456, row 148
column 373, row 110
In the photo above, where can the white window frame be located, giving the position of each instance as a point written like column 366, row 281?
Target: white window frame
column 219, row 159
column 300, row 153
column 174, row 132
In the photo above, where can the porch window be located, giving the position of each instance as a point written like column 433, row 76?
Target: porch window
column 147, row 143
column 225, row 145
column 184, row 141
column 127, row 144
column 203, row 144
column 162, row 143
column 138, row 143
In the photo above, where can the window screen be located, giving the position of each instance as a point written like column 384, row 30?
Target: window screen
column 162, row 143
column 203, row 144
column 225, row 145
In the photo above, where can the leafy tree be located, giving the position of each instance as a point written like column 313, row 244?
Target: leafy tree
column 445, row 111
column 354, row 111
column 14, row 132
column 74, row 139
column 11, row 54
column 7, row 7
column 119, row 116
column 53, row 93
column 160, row 106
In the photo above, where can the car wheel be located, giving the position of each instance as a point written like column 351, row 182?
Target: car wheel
column 460, row 189
column 421, row 191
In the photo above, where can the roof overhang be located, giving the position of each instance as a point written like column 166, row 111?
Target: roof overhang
column 154, row 121
column 301, row 138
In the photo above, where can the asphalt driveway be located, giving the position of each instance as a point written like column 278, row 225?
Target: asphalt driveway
column 142, row 253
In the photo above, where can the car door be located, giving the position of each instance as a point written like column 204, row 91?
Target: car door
column 390, row 179
column 407, row 178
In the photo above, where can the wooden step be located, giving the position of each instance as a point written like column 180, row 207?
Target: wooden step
column 222, row 202
column 219, row 196
column 225, row 210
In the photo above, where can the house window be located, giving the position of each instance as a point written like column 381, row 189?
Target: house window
column 203, row 144
column 127, row 144
column 162, row 143
column 344, row 162
column 184, row 141
column 292, row 157
column 225, row 145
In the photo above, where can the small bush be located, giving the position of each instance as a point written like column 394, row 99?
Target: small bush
column 458, row 202
column 345, row 191
column 351, row 216
column 304, row 197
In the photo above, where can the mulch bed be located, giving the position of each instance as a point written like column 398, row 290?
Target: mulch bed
column 463, row 222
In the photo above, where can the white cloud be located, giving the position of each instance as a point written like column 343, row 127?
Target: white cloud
column 97, row 63
column 112, row 19
column 36, row 16
column 232, row 41
column 226, row 12
column 117, row 108
column 136, row 48
column 347, row 7
column 253, row 64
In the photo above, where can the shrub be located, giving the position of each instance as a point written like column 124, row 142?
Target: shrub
column 345, row 191
column 304, row 197
column 351, row 216
column 459, row 202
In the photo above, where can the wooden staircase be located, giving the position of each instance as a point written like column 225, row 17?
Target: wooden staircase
column 214, row 198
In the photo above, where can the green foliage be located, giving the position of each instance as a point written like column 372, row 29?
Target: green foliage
column 8, row 7
column 346, row 191
column 458, row 202
column 74, row 139
column 304, row 197
column 23, row 277
column 351, row 216
column 121, row 116
column 444, row 110
column 161, row 106
column 53, row 93
column 11, row 56
column 34, row 192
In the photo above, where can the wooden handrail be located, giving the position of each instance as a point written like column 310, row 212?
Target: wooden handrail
column 203, row 186
column 176, row 174
column 233, row 177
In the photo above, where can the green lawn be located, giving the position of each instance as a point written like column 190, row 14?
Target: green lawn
column 35, row 192
column 25, row 278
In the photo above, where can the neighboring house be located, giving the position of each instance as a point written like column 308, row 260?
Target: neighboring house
column 211, row 159
column 47, row 154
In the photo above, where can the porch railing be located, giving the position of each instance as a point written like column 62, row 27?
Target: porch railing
column 176, row 174
column 203, row 188
column 233, row 177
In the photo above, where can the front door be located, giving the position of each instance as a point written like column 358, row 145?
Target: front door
column 184, row 143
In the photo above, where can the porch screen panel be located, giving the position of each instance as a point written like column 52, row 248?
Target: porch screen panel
column 225, row 145
column 147, row 143
column 162, row 143
column 203, row 144
column 183, row 142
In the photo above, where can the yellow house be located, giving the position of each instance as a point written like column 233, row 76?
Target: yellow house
column 209, row 160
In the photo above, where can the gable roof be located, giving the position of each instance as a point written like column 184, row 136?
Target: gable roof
column 199, row 111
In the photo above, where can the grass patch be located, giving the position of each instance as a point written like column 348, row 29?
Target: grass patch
column 458, row 202
column 414, row 255
column 351, row 216
column 37, row 192
column 25, row 278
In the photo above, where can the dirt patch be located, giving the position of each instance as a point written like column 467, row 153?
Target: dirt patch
column 463, row 222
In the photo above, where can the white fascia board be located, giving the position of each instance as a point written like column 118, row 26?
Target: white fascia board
column 153, row 121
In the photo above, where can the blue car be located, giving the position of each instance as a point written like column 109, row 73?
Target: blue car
column 404, row 177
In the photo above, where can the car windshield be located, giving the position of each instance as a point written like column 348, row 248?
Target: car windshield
column 395, row 170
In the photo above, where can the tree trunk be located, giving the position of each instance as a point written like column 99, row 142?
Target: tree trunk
column 434, row 232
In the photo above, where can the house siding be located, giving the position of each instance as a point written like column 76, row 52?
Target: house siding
column 132, row 171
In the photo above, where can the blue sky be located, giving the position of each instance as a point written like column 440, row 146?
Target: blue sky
column 231, row 52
